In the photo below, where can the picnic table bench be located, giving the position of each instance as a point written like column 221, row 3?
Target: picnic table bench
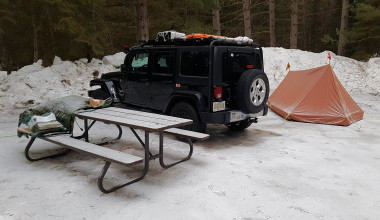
column 148, row 122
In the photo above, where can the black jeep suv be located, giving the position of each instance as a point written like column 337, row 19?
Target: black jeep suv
column 217, row 81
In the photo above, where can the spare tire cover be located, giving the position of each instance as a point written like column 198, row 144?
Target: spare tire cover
column 252, row 91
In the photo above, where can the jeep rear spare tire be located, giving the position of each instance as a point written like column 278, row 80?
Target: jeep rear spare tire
column 252, row 91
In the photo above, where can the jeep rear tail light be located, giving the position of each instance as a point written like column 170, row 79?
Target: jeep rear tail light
column 218, row 92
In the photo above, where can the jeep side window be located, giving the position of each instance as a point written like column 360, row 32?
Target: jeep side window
column 194, row 63
column 139, row 63
column 163, row 63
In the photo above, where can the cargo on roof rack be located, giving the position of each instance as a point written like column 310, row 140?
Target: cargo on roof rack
column 174, row 38
column 199, row 42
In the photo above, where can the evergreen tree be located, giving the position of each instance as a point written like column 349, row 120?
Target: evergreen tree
column 364, row 35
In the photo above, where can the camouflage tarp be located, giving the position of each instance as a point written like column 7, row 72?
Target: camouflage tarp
column 64, row 109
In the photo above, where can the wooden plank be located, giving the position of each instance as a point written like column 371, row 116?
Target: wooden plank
column 155, row 119
column 188, row 134
column 151, row 126
column 148, row 126
column 99, row 151
column 150, row 115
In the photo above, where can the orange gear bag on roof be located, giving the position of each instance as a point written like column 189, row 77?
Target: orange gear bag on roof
column 197, row 35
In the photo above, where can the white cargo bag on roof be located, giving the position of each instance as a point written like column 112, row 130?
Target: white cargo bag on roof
column 169, row 35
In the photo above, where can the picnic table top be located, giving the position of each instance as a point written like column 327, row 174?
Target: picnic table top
column 135, row 119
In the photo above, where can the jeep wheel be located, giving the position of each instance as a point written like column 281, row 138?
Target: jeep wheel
column 185, row 110
column 252, row 91
column 239, row 125
column 99, row 94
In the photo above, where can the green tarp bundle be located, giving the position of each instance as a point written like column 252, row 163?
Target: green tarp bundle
column 64, row 108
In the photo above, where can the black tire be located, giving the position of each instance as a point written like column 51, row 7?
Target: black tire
column 186, row 110
column 252, row 91
column 239, row 125
column 99, row 94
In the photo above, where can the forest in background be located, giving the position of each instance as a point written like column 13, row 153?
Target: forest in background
column 41, row 29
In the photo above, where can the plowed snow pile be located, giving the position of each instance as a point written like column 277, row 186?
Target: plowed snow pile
column 34, row 84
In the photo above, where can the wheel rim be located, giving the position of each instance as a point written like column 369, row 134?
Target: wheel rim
column 257, row 92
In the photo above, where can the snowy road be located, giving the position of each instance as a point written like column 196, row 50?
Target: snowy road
column 274, row 170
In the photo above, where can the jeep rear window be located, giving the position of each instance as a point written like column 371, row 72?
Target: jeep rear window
column 194, row 63
column 163, row 63
column 234, row 64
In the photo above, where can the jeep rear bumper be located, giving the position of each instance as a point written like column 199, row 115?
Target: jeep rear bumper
column 226, row 117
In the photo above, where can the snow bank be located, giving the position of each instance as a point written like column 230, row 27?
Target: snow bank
column 34, row 83
column 57, row 60
column 115, row 60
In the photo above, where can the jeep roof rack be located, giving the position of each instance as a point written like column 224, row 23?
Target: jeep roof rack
column 197, row 42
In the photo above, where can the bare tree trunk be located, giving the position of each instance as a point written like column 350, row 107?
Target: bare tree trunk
column 303, row 25
column 294, row 24
column 272, row 23
column 35, row 34
column 141, row 16
column 247, row 18
column 88, row 53
column 8, row 65
column 216, row 19
column 343, row 27
column 7, row 60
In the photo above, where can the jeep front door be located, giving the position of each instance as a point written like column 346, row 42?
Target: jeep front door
column 137, row 82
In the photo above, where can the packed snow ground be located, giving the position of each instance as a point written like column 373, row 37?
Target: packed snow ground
column 276, row 169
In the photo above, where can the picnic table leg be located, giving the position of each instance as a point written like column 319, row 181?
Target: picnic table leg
column 30, row 143
column 107, row 165
column 88, row 127
column 120, row 132
column 86, row 130
column 139, row 139
column 162, row 163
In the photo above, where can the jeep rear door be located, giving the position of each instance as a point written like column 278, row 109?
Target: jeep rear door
column 162, row 78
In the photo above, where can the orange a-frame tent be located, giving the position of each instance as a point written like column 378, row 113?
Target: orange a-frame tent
column 316, row 96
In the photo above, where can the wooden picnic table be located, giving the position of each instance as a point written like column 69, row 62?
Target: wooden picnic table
column 148, row 122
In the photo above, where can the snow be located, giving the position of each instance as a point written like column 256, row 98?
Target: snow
column 115, row 60
column 276, row 169
column 35, row 84
column 57, row 60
